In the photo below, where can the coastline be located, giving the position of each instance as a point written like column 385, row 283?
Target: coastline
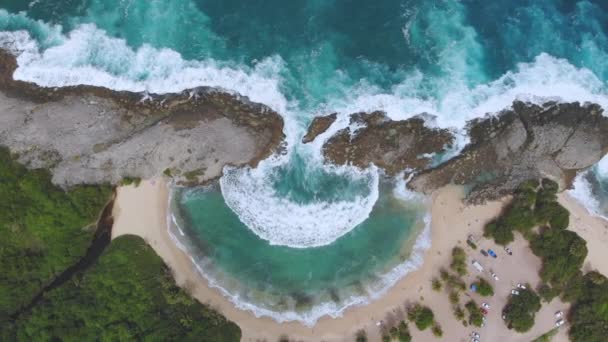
column 143, row 211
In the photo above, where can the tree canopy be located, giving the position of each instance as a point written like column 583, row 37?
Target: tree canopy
column 129, row 294
column 44, row 229
column 521, row 310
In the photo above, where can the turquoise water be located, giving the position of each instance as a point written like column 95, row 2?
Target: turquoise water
column 456, row 60
column 295, row 281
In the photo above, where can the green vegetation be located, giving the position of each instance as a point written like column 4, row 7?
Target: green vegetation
column 436, row 284
column 531, row 206
column 589, row 313
column 458, row 313
column 44, row 230
column 454, row 297
column 475, row 314
column 459, row 261
column 126, row 294
column 436, row 329
column 563, row 253
column 422, row 316
column 399, row 333
column 129, row 294
column 546, row 337
column 483, row 287
column 521, row 309
column 452, row 282
column 131, row 181
column 168, row 173
column 471, row 244
column 361, row 336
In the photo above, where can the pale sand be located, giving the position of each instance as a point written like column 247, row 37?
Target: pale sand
column 143, row 210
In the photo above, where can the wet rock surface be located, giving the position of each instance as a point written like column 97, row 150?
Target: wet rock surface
column 86, row 134
column 318, row 126
column 394, row 146
column 528, row 141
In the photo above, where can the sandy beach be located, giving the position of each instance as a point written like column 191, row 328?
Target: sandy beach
column 142, row 211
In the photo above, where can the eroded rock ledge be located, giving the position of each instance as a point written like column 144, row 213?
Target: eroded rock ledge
column 528, row 141
column 391, row 145
column 318, row 126
column 88, row 134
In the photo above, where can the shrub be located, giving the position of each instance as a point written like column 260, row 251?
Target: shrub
column 521, row 309
column 361, row 336
column 436, row 329
column 483, row 287
column 475, row 314
column 459, row 261
column 458, row 313
column 454, row 297
column 167, row 172
column 131, row 181
column 422, row 316
column 436, row 284
column 471, row 244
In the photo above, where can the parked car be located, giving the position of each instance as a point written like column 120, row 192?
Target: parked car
column 483, row 252
column 514, row 292
column 494, row 276
column 492, row 254
column 504, row 317
column 559, row 322
column 474, row 334
column 559, row 314
column 521, row 286
column 485, row 305
column 508, row 250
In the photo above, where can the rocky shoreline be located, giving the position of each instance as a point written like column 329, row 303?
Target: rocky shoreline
column 553, row 140
column 87, row 134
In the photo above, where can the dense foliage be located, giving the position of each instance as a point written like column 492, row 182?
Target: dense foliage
column 521, row 309
column 422, row 316
column 563, row 253
column 475, row 314
column 459, row 261
column 483, row 287
column 129, row 294
column 531, row 206
column 589, row 313
column 44, row 230
column 399, row 333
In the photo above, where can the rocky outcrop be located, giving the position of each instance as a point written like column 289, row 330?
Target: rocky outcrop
column 528, row 141
column 87, row 134
column 319, row 125
column 391, row 145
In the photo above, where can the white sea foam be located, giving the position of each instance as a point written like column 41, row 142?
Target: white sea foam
column 373, row 290
column 88, row 56
column 282, row 221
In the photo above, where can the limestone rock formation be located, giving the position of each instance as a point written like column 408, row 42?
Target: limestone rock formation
column 87, row 134
column 528, row 141
column 391, row 145
column 319, row 125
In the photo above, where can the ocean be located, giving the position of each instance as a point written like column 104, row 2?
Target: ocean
column 456, row 60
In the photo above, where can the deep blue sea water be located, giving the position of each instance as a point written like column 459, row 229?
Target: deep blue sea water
column 454, row 59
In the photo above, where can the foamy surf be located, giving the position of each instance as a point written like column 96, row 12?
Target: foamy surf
column 373, row 289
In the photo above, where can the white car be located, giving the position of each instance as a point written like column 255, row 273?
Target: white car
column 559, row 322
column 494, row 276
column 521, row 286
column 559, row 314
column 514, row 292
column 485, row 305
